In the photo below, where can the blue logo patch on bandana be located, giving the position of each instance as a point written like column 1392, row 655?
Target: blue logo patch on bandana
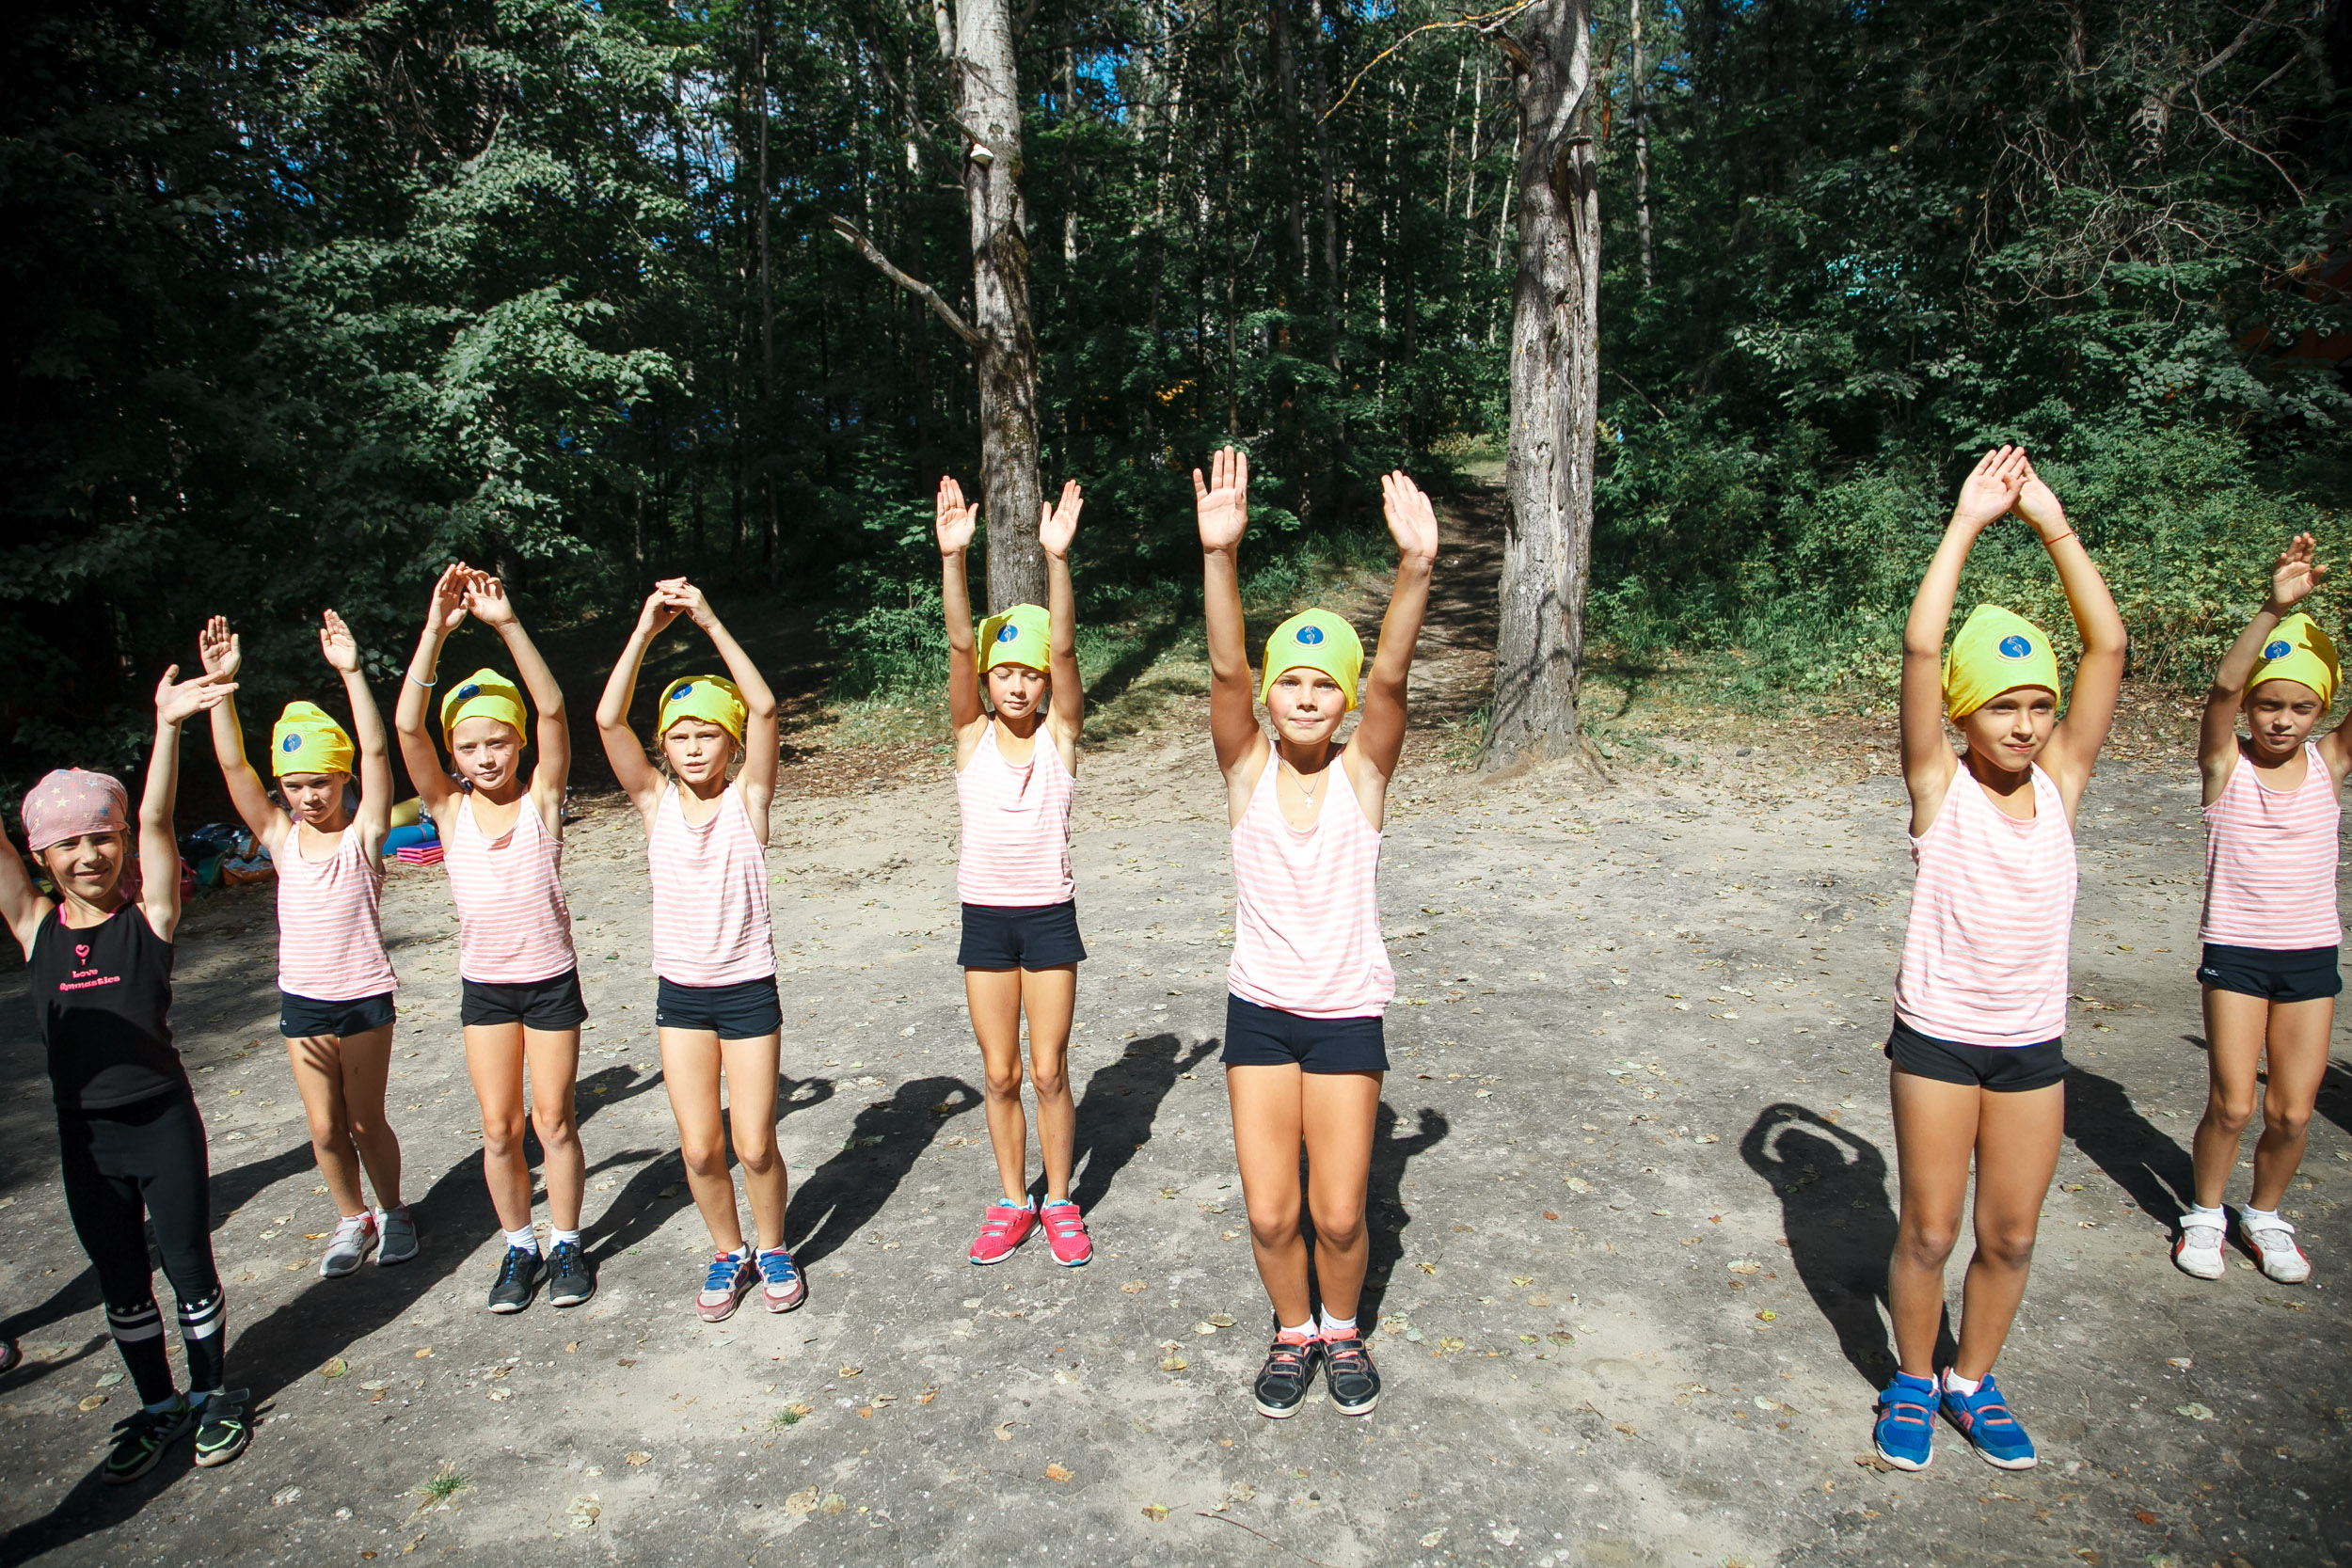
column 466, row 691
column 680, row 690
column 291, row 743
column 1311, row 635
column 1008, row 633
column 2017, row 647
column 2279, row 650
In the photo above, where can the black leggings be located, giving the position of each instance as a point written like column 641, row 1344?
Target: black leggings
column 124, row 1167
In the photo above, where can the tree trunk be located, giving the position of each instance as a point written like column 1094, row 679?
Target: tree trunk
column 1554, row 391
column 1641, row 143
column 988, row 105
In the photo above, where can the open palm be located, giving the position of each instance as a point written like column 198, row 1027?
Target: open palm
column 1412, row 521
column 336, row 641
column 2298, row 572
column 219, row 648
column 1223, row 501
column 1991, row 486
column 956, row 520
column 1059, row 525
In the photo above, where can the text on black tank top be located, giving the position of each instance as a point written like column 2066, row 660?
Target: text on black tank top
column 102, row 997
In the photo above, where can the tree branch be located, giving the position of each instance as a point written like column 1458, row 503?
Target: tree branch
column 915, row 286
column 1487, row 24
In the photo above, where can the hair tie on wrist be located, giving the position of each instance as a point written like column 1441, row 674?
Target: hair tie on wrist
column 427, row 684
column 2052, row 544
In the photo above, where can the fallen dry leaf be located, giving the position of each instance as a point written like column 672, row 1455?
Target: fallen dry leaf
column 425, row 1354
column 802, row 1502
column 851, row 1372
column 637, row 1458
column 91, row 1403
column 336, row 1366
column 1155, row 1510
column 1003, row 1431
column 1173, row 1364
column 1132, row 1287
column 1054, row 1472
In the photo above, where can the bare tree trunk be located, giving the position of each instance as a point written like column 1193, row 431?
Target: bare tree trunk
column 767, row 319
column 1641, row 143
column 1555, row 392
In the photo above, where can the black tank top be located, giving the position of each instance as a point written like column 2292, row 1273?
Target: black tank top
column 102, row 995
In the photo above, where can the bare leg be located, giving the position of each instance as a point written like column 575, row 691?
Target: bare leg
column 1269, row 1130
column 367, row 1068
column 1340, row 1110
column 2018, row 1137
column 318, row 1077
column 690, row 1069
column 994, row 997
column 2298, row 1064
column 751, row 1067
column 554, row 1056
column 1935, row 1135
column 1049, row 996
column 2235, row 1025
column 494, row 1060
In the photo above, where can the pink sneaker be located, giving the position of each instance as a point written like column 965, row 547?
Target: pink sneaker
column 724, row 1286
column 1005, row 1226
column 1066, row 1233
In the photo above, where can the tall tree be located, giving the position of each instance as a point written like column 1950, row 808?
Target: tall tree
column 1555, row 358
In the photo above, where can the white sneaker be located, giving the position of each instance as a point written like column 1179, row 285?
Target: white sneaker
column 353, row 1239
column 399, row 1234
column 2198, row 1248
column 2273, row 1240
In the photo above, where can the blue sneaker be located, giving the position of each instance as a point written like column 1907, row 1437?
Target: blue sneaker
column 731, row 1275
column 1984, row 1419
column 782, row 1288
column 1906, row 1422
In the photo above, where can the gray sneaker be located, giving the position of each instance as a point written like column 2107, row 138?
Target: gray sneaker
column 353, row 1239
column 399, row 1236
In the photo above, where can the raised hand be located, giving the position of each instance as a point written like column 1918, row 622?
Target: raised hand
column 1991, row 488
column 1060, row 524
column 1412, row 521
column 956, row 519
column 686, row 600
column 486, row 601
column 2298, row 572
column 178, row 700
column 2039, row 505
column 1223, row 503
column 336, row 641
column 220, row 649
column 447, row 611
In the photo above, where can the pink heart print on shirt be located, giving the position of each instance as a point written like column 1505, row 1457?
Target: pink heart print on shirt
column 80, row 952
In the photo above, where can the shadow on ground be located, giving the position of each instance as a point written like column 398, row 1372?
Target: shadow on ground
column 2136, row 1154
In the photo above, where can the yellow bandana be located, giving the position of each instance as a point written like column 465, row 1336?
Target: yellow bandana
column 484, row 694
column 1021, row 635
column 307, row 740
column 1314, row 640
column 2299, row 650
column 712, row 698
column 1997, row 650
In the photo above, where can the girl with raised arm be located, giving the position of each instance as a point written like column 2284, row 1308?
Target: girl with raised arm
column 1310, row 977
column 1977, row 1043
column 1016, row 773
column 2270, row 928
column 502, row 837
column 335, row 981
column 714, row 956
column 98, row 963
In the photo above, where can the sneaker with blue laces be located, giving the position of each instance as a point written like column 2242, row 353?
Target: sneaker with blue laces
column 732, row 1274
column 1983, row 1418
column 1906, row 1422
column 782, row 1288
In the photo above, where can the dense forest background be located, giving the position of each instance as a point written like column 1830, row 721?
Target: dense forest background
column 300, row 300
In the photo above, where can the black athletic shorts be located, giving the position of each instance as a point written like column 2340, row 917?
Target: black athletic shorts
column 2002, row 1068
column 301, row 1017
column 743, row 1011
column 2273, row 974
column 550, row 1004
column 1267, row 1036
column 1040, row 936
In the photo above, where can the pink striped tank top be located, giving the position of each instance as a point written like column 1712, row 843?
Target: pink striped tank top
column 709, row 894
column 1992, row 913
column 513, row 925
column 2270, row 861
column 330, row 933
column 1307, row 906
column 1016, row 826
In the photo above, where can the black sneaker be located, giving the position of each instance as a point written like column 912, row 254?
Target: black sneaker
column 1281, row 1385
column 518, row 1276
column 570, row 1279
column 1349, row 1376
column 221, row 1429
column 140, row 1439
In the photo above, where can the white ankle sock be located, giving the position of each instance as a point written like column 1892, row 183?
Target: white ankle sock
column 2253, row 1215
column 1337, row 1328
column 2197, row 1213
column 557, row 1238
column 161, row 1405
column 1960, row 1385
column 1304, row 1331
column 524, row 1239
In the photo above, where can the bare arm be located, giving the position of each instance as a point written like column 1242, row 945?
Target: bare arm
column 176, row 702
column 20, row 903
column 1222, row 504
column 2099, row 676
column 486, row 602
column 223, row 654
column 1053, row 531
column 1989, row 491
column 418, row 752
column 638, row 778
column 761, row 728
column 1413, row 523
column 375, row 818
column 954, row 527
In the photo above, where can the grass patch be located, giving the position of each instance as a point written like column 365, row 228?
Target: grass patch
column 446, row 1483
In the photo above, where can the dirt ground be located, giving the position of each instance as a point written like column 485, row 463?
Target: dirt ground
column 1632, row 1210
